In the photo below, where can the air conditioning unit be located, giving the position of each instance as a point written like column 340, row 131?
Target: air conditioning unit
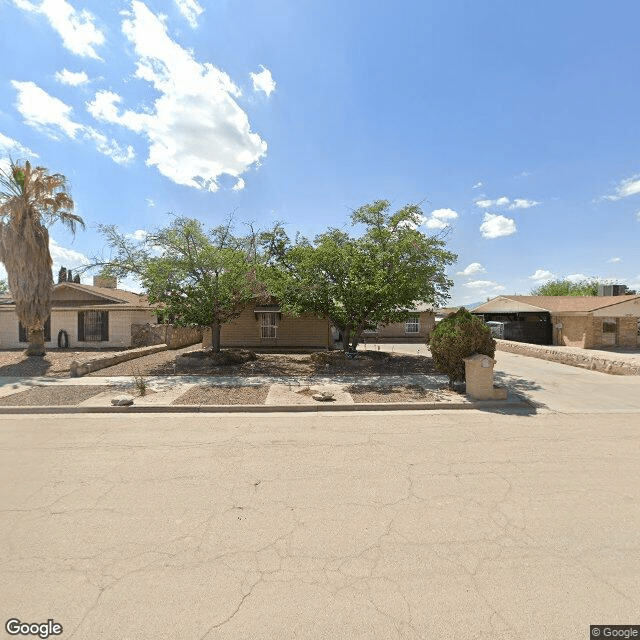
column 612, row 289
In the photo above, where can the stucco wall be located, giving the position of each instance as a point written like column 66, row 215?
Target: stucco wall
column 143, row 335
column 577, row 331
column 120, row 321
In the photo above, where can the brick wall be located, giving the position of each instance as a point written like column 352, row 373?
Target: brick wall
column 628, row 332
column 397, row 330
column 303, row 331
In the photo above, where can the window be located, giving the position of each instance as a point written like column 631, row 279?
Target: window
column 412, row 325
column 609, row 325
column 93, row 326
column 22, row 332
column 268, row 325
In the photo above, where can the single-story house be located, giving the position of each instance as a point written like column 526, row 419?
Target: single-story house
column 265, row 326
column 416, row 328
column 92, row 316
column 590, row 322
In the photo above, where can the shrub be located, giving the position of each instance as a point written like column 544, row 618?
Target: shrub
column 457, row 337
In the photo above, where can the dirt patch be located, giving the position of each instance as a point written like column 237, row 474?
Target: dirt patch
column 224, row 395
column 56, row 363
column 54, row 395
column 362, row 394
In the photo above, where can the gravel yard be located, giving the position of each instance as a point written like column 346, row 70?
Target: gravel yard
column 224, row 395
column 54, row 395
column 55, row 364
column 363, row 394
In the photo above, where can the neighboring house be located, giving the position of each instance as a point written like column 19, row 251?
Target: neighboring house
column 266, row 326
column 96, row 317
column 590, row 322
column 416, row 328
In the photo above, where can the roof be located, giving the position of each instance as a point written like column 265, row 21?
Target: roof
column 110, row 296
column 553, row 304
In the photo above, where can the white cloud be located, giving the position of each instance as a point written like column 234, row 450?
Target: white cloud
column 484, row 287
column 72, row 78
column 522, row 203
column 77, row 28
column 196, row 130
column 42, row 111
column 151, row 202
column 638, row 216
column 52, row 116
column 65, row 257
column 495, row 226
column 626, row 188
column 542, row 275
column 576, row 277
column 615, row 260
column 138, row 234
column 438, row 218
column 477, row 185
column 11, row 147
column 473, row 268
column 239, row 186
column 190, row 9
column 263, row 81
column 503, row 201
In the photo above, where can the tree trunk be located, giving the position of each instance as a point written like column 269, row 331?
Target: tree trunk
column 36, row 342
column 215, row 338
column 346, row 335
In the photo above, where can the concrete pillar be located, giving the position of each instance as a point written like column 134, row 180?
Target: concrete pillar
column 478, row 370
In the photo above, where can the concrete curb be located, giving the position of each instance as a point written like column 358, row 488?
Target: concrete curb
column 517, row 403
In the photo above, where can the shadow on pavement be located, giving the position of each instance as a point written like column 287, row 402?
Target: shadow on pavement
column 29, row 366
column 520, row 387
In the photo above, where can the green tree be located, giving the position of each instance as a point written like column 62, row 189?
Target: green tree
column 457, row 337
column 32, row 199
column 588, row 287
column 197, row 277
column 357, row 282
column 4, row 287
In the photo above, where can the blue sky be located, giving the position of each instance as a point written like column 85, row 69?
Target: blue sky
column 514, row 123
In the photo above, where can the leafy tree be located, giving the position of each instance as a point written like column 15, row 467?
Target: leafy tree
column 588, row 287
column 4, row 287
column 457, row 337
column 375, row 278
column 198, row 277
column 31, row 199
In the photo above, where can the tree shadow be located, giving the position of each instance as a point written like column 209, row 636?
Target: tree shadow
column 28, row 367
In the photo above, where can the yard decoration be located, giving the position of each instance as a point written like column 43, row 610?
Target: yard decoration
column 457, row 337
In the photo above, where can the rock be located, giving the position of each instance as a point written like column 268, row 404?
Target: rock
column 323, row 396
column 122, row 401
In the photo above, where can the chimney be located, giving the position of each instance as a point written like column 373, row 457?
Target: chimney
column 105, row 281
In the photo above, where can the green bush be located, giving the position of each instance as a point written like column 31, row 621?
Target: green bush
column 457, row 337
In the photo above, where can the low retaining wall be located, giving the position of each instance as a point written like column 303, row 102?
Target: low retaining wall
column 146, row 335
column 574, row 357
column 79, row 369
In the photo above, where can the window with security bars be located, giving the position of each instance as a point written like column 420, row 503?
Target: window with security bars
column 268, row 325
column 93, row 326
column 412, row 325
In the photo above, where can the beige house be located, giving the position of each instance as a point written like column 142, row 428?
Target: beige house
column 96, row 317
column 590, row 322
column 265, row 326
column 416, row 328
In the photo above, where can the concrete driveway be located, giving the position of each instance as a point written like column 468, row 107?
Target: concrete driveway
column 439, row 524
column 555, row 386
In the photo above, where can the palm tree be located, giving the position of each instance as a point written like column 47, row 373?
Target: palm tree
column 31, row 200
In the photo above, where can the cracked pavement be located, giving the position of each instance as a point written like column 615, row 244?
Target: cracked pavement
column 439, row 524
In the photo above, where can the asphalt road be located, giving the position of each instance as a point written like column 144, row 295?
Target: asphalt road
column 440, row 524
